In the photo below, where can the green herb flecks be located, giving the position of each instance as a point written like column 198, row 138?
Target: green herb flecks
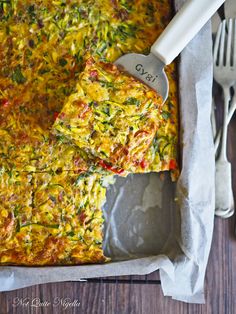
column 56, row 226
column 132, row 101
column 31, row 12
column 166, row 115
column 62, row 62
column 17, row 76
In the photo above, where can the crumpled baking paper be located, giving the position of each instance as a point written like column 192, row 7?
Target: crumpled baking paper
column 152, row 223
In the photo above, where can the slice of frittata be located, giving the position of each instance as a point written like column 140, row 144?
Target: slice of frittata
column 114, row 117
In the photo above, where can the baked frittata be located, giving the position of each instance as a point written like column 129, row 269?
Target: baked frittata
column 52, row 191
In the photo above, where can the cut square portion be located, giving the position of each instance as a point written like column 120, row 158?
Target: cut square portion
column 113, row 116
column 65, row 225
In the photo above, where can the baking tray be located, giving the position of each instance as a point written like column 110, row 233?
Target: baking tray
column 190, row 220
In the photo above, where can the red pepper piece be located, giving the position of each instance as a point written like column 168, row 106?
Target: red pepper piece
column 172, row 164
column 143, row 164
column 4, row 102
column 106, row 166
column 55, row 115
column 82, row 217
column 118, row 171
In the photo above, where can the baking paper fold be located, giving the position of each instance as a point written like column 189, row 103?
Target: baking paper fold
column 152, row 223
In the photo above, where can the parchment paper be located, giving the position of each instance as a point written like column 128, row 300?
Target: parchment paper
column 152, row 223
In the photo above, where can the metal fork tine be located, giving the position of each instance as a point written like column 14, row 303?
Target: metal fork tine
column 234, row 44
column 216, row 45
column 222, row 44
column 229, row 43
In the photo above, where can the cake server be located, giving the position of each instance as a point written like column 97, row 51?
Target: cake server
column 182, row 28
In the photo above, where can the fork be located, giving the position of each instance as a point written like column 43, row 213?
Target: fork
column 224, row 55
column 232, row 109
